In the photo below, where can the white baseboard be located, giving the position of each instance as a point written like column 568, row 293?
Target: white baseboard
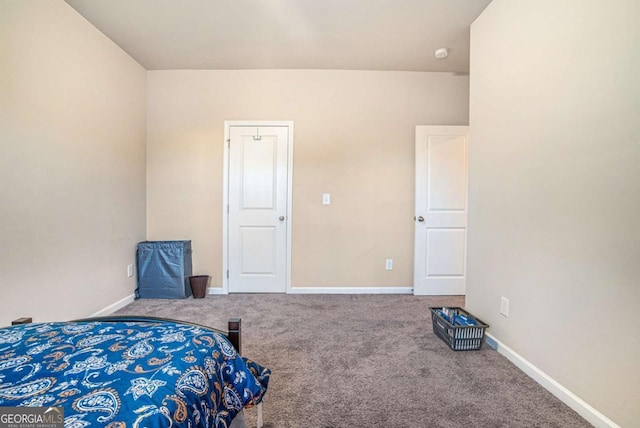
column 351, row 290
column 334, row 290
column 115, row 306
column 580, row 406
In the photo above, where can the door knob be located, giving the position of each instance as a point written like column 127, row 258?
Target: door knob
column 281, row 218
column 420, row 219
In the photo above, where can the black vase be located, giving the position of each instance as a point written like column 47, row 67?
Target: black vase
column 199, row 285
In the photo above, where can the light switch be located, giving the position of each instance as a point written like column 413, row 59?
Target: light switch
column 326, row 198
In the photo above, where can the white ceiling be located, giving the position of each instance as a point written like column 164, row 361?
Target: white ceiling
column 288, row 34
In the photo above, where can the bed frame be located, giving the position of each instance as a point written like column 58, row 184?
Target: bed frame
column 234, row 325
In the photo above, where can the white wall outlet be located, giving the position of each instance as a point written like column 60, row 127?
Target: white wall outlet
column 326, row 198
column 389, row 264
column 129, row 271
column 504, row 306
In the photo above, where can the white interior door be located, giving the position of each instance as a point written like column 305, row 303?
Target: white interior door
column 257, row 213
column 441, row 210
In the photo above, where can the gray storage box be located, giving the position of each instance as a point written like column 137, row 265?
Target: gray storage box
column 164, row 268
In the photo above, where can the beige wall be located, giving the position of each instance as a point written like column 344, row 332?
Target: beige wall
column 555, row 191
column 353, row 137
column 72, row 163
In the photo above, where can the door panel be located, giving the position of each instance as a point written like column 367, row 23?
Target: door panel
column 445, row 252
column 259, row 171
column 447, row 187
column 258, row 186
column 259, row 251
column 441, row 210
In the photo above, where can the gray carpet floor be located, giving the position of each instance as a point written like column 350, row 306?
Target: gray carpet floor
column 361, row 361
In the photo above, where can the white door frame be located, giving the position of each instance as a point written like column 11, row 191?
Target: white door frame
column 225, row 194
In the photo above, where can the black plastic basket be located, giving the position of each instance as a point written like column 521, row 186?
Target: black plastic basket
column 458, row 337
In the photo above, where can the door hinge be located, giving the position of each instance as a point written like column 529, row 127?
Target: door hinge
column 227, row 208
column 227, row 273
column 229, row 143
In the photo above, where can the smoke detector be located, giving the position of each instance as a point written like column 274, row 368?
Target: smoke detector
column 442, row 53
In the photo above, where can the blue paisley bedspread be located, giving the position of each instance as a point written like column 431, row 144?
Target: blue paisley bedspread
column 128, row 374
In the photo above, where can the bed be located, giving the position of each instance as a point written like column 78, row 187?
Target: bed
column 121, row 372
